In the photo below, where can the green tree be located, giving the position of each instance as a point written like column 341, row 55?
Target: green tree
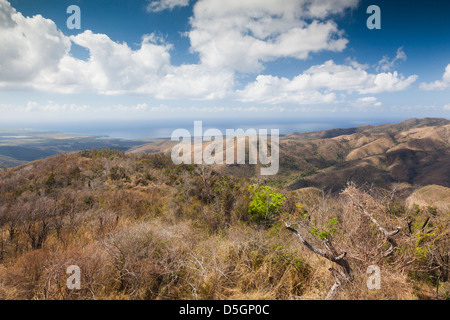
column 266, row 204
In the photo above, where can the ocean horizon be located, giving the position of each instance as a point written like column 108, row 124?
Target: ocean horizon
column 152, row 129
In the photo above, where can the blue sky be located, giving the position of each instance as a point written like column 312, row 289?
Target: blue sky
column 246, row 59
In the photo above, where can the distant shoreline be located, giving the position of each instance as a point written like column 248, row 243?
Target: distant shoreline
column 162, row 129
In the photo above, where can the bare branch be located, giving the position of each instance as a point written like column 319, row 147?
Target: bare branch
column 342, row 256
column 343, row 275
column 387, row 234
column 332, row 294
column 308, row 245
column 425, row 224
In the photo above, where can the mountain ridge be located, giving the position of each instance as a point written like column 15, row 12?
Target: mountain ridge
column 414, row 151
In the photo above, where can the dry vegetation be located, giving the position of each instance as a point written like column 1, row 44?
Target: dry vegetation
column 140, row 227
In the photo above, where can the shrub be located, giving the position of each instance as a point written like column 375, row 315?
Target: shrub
column 329, row 230
column 266, row 204
column 117, row 173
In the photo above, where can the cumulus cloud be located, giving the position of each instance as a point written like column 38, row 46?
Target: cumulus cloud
column 242, row 35
column 28, row 46
column 316, row 85
column 274, row 90
column 438, row 84
column 161, row 5
column 230, row 37
column 35, row 54
column 195, row 81
column 115, row 68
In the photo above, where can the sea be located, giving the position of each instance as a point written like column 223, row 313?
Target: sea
column 163, row 128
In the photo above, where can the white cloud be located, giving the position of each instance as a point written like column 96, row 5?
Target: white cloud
column 242, row 35
column 33, row 109
column 446, row 107
column 423, row 109
column 367, row 102
column 324, row 8
column 49, row 107
column 355, row 64
column 353, row 79
column 115, row 68
column 161, row 5
column 195, row 82
column 35, row 54
column 316, row 85
column 386, row 64
column 274, row 90
column 28, row 46
column 438, row 84
column 230, row 36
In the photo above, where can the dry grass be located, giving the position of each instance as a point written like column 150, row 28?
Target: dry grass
column 160, row 231
column 434, row 196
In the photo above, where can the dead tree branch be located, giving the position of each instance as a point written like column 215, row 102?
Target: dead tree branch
column 425, row 224
column 389, row 235
column 341, row 276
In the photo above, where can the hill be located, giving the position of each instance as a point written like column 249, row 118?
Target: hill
column 20, row 146
column 431, row 196
column 414, row 151
column 140, row 227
